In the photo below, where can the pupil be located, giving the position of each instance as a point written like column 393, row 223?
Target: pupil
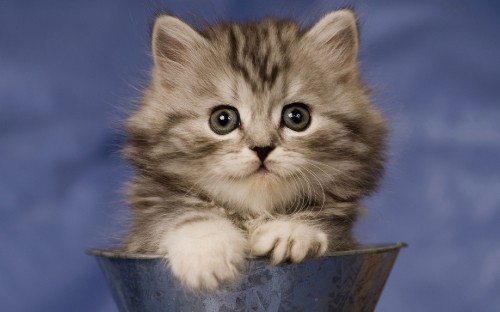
column 224, row 119
column 295, row 116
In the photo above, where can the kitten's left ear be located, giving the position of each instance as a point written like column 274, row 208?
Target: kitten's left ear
column 337, row 34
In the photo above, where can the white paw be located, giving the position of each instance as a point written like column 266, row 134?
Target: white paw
column 204, row 254
column 283, row 240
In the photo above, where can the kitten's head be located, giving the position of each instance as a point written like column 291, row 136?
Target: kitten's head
column 261, row 116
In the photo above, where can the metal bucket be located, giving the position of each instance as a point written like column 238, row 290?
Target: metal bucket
column 343, row 281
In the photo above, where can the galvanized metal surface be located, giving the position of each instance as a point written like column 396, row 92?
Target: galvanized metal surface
column 343, row 281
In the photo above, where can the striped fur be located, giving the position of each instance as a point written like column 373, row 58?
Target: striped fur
column 190, row 181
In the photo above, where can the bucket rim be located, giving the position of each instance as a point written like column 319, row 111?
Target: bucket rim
column 362, row 249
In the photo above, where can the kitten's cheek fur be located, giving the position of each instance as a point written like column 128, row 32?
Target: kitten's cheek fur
column 283, row 240
column 202, row 255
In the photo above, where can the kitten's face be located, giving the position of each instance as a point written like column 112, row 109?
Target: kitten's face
column 261, row 117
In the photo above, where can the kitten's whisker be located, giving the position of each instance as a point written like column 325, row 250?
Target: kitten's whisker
column 320, row 185
column 296, row 189
column 306, row 190
column 310, row 212
column 305, row 195
column 334, row 181
column 300, row 190
column 326, row 173
column 332, row 168
column 309, row 189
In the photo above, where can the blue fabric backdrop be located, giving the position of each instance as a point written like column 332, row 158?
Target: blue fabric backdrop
column 68, row 70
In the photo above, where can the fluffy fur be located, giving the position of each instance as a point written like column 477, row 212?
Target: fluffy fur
column 198, row 197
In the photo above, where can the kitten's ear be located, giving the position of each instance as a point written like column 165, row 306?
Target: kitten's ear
column 337, row 34
column 173, row 41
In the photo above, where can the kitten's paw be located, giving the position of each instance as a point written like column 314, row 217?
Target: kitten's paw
column 202, row 255
column 283, row 240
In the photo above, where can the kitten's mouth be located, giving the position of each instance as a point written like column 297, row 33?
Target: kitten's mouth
column 262, row 169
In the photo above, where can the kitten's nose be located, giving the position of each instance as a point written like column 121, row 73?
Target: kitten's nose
column 262, row 151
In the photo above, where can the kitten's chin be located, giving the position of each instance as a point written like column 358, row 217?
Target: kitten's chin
column 259, row 192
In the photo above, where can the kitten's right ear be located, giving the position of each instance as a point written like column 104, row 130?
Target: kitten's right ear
column 173, row 41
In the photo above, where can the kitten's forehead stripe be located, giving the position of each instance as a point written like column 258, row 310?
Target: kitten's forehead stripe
column 259, row 51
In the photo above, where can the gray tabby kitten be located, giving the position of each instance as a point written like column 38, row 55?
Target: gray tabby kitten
column 252, row 139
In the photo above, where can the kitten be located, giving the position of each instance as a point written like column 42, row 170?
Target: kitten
column 251, row 139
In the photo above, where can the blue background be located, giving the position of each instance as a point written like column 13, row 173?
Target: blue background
column 69, row 71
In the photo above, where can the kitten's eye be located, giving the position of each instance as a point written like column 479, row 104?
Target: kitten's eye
column 224, row 119
column 296, row 116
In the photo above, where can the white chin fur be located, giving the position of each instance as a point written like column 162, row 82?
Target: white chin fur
column 206, row 253
column 257, row 194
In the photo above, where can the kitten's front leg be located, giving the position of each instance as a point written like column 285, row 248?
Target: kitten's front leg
column 204, row 251
column 288, row 239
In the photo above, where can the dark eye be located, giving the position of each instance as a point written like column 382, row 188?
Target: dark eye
column 296, row 116
column 224, row 119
